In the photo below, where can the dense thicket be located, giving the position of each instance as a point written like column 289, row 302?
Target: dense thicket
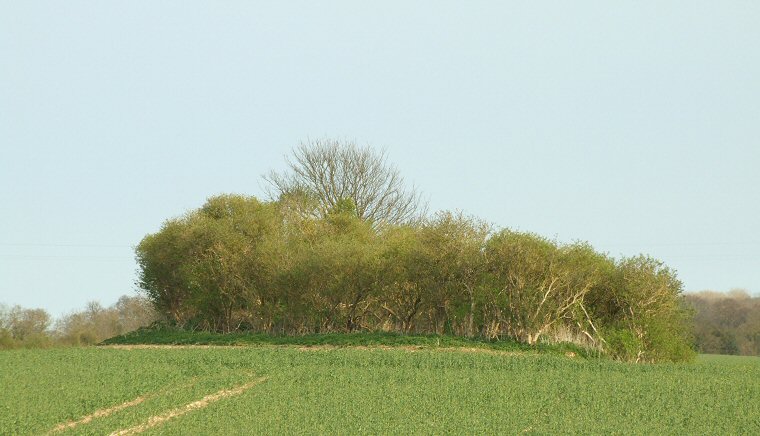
column 726, row 323
column 35, row 328
column 238, row 263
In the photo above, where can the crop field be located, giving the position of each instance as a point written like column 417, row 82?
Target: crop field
column 359, row 390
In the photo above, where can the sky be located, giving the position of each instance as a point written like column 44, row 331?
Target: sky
column 634, row 126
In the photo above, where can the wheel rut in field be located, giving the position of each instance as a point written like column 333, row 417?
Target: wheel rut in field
column 102, row 413
column 97, row 414
column 156, row 420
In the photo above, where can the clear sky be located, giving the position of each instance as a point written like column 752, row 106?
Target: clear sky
column 632, row 125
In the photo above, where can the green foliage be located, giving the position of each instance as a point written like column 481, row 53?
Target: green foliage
column 541, row 285
column 241, row 264
column 371, row 390
column 207, row 269
column 645, row 298
column 622, row 343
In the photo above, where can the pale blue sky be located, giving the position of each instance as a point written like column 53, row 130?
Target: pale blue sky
column 632, row 125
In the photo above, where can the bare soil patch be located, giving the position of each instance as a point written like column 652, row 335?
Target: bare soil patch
column 166, row 346
column 412, row 349
column 314, row 348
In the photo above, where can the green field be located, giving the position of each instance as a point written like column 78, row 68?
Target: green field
column 287, row 389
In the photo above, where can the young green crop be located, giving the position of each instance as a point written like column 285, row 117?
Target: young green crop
column 371, row 390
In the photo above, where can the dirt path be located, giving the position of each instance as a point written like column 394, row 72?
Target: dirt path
column 409, row 348
column 412, row 349
column 162, row 346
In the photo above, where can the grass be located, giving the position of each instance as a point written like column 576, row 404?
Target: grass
column 362, row 339
column 348, row 390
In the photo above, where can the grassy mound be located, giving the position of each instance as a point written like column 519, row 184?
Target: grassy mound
column 167, row 336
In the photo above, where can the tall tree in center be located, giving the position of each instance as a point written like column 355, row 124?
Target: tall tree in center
column 331, row 171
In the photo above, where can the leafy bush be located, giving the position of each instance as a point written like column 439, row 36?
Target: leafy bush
column 622, row 343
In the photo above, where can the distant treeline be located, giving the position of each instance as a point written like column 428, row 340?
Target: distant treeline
column 726, row 323
column 35, row 328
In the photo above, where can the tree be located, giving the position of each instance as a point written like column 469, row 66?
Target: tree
column 134, row 312
column 331, row 171
column 539, row 285
column 525, row 272
column 726, row 323
column 337, row 272
column 404, row 281
column 162, row 258
column 434, row 271
column 648, row 309
column 24, row 327
column 454, row 245
column 205, row 268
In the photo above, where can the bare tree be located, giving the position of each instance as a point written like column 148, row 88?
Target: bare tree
column 333, row 171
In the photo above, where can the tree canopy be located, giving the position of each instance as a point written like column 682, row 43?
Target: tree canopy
column 330, row 171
